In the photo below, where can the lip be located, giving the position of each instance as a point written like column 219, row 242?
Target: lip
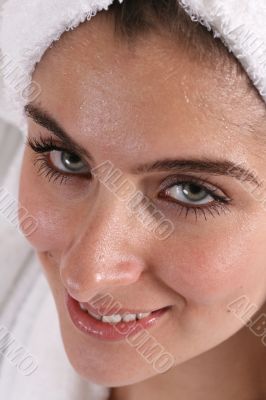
column 105, row 331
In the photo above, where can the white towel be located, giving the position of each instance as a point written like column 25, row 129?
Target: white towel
column 240, row 24
column 29, row 27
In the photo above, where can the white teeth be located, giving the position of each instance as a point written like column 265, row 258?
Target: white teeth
column 129, row 317
column 143, row 315
column 113, row 319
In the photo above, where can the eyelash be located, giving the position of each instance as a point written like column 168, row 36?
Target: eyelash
column 221, row 203
column 43, row 146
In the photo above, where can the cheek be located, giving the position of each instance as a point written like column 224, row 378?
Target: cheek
column 216, row 267
column 53, row 224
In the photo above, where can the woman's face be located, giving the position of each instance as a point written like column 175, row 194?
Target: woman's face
column 130, row 106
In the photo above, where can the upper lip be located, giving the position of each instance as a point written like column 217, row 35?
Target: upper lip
column 107, row 311
column 112, row 309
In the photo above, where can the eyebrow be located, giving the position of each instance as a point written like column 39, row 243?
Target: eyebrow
column 210, row 166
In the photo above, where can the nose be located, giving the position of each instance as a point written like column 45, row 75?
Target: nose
column 106, row 253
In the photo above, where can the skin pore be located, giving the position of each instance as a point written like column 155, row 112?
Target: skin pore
column 137, row 104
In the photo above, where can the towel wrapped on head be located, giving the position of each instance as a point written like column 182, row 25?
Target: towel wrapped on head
column 29, row 27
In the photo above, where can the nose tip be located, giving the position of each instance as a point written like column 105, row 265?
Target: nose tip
column 102, row 256
column 84, row 283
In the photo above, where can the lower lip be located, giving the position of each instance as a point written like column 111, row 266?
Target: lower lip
column 85, row 323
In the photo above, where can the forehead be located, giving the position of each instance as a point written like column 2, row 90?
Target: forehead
column 100, row 86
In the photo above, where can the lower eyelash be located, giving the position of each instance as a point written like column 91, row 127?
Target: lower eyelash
column 44, row 147
column 218, row 205
column 49, row 172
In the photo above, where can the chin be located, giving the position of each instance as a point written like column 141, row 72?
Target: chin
column 112, row 368
column 107, row 374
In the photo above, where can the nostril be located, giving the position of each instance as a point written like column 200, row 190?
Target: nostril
column 70, row 284
column 77, row 285
column 84, row 279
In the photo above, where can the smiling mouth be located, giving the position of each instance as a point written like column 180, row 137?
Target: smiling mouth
column 111, row 326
